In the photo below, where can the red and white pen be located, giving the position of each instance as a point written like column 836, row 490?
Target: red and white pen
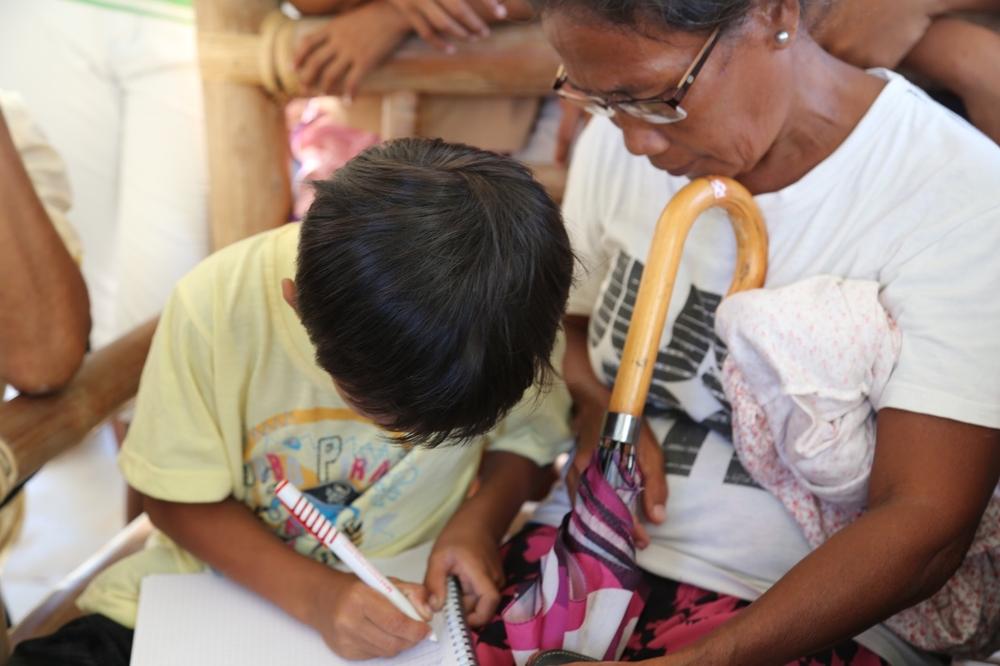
column 324, row 531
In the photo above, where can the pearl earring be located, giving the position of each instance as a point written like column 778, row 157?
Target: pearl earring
column 782, row 37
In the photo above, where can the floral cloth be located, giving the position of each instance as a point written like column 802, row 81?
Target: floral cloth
column 805, row 363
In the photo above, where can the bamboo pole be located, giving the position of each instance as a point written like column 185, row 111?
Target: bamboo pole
column 658, row 277
column 245, row 125
column 33, row 430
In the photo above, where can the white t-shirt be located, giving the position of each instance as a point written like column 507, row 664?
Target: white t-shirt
column 911, row 199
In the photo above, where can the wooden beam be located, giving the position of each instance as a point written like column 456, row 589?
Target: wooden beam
column 33, row 430
column 249, row 185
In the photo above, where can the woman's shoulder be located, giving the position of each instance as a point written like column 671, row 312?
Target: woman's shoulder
column 922, row 139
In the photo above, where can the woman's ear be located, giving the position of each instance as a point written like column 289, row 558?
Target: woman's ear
column 781, row 19
column 290, row 293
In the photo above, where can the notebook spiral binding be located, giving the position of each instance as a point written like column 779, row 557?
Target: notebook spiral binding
column 458, row 628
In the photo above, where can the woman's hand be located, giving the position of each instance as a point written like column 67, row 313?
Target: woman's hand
column 466, row 550
column 336, row 58
column 357, row 622
column 437, row 20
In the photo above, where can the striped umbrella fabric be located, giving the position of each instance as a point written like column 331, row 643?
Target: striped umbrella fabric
column 589, row 594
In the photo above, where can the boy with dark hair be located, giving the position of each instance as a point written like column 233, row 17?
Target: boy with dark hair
column 430, row 280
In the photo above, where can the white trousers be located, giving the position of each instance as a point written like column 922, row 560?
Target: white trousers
column 119, row 96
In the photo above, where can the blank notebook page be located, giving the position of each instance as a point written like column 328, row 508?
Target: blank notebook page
column 206, row 620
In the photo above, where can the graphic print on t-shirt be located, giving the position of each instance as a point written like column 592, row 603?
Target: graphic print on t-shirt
column 333, row 456
column 689, row 364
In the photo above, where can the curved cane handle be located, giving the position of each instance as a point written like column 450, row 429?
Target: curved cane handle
column 660, row 273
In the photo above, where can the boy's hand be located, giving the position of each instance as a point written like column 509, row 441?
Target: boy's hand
column 467, row 551
column 357, row 622
column 587, row 425
column 435, row 20
column 334, row 59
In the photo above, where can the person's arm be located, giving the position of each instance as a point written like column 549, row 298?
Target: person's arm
column 962, row 57
column 930, row 484
column 321, row 7
column 468, row 547
column 872, row 33
column 335, row 58
column 970, row 5
column 44, row 309
column 354, row 620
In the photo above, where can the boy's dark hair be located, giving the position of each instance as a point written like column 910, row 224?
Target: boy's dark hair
column 432, row 279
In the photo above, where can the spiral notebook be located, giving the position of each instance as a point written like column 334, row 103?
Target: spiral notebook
column 206, row 620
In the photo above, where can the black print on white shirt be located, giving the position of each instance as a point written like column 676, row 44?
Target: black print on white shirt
column 692, row 340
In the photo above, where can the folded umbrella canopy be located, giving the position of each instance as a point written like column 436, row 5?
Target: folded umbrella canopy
column 589, row 594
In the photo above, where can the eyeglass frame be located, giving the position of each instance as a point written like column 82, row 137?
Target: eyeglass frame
column 610, row 108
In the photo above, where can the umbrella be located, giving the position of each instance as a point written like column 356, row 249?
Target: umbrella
column 586, row 592
column 589, row 573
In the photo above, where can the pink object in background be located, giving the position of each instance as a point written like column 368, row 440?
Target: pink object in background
column 320, row 146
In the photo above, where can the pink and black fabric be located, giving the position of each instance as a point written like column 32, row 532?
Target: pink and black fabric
column 675, row 614
column 586, row 592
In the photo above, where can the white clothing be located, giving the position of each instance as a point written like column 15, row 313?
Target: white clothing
column 44, row 167
column 911, row 199
column 119, row 95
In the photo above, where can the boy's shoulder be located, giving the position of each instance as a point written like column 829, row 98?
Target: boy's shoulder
column 242, row 280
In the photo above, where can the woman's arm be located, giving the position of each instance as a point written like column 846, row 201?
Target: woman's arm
column 44, row 309
column 354, row 620
column 930, row 484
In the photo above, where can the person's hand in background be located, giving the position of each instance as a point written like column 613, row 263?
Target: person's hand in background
column 334, row 59
column 439, row 21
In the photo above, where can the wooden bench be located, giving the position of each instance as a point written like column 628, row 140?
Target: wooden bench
column 245, row 48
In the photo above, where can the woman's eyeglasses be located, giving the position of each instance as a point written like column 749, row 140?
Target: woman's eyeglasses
column 661, row 109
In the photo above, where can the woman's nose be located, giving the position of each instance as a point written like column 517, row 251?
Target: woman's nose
column 641, row 138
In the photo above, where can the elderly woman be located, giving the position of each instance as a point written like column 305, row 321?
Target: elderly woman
column 858, row 174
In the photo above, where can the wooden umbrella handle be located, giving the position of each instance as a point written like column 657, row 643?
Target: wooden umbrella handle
column 660, row 273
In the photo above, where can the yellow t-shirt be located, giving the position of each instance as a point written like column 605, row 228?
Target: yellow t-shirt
column 232, row 401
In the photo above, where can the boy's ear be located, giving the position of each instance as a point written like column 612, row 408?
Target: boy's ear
column 290, row 293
